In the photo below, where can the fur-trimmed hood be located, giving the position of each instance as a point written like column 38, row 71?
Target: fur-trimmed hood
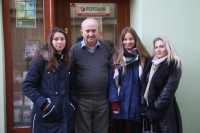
column 46, row 57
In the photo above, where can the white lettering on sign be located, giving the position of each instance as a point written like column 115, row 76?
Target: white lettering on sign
column 93, row 11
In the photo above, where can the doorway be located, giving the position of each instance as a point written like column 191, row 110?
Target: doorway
column 112, row 17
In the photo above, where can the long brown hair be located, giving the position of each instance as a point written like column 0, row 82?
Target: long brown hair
column 119, row 48
column 48, row 48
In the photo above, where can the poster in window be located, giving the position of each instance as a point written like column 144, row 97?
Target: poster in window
column 30, row 48
column 25, row 14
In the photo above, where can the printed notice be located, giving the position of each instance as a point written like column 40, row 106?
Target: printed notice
column 26, row 14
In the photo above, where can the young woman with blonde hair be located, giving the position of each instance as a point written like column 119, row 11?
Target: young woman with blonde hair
column 160, row 81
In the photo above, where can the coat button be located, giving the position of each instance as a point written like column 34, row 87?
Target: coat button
column 56, row 93
column 48, row 72
column 122, row 103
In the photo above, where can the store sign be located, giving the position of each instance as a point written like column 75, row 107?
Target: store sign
column 93, row 10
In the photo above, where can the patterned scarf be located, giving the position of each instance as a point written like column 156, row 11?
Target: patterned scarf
column 128, row 57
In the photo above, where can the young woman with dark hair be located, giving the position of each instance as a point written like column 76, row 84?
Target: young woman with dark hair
column 48, row 85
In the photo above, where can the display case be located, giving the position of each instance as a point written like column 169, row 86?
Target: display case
column 21, row 103
column 26, row 18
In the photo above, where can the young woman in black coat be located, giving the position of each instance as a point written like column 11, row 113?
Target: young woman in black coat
column 160, row 81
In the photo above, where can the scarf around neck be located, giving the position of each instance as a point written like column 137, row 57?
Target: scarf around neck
column 128, row 57
column 155, row 64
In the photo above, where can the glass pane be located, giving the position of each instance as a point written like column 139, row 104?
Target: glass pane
column 104, row 13
column 27, row 35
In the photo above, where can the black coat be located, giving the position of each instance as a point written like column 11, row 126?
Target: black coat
column 163, row 109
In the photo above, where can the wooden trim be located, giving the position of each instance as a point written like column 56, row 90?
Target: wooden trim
column 123, row 14
column 46, row 19
column 21, row 130
column 8, row 64
column 49, row 17
column 67, row 21
column 52, row 13
column 127, row 12
column 59, row 14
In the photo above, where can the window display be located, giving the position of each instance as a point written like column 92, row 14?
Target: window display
column 27, row 36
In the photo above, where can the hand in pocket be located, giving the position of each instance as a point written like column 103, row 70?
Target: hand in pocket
column 51, row 114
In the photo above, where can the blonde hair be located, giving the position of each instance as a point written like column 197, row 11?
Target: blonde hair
column 172, row 54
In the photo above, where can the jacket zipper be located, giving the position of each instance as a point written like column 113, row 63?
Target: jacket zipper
column 61, row 57
column 72, row 105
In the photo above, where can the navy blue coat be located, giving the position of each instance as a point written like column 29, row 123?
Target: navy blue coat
column 41, row 84
column 129, row 96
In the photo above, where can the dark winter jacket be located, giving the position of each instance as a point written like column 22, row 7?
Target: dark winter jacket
column 163, row 109
column 129, row 96
column 41, row 84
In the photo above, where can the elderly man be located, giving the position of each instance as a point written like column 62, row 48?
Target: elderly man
column 91, row 61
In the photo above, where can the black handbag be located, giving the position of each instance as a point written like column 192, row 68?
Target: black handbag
column 145, row 127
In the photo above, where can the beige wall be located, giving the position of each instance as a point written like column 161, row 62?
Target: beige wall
column 180, row 22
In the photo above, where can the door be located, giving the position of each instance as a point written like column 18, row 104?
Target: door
column 68, row 15
column 112, row 16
